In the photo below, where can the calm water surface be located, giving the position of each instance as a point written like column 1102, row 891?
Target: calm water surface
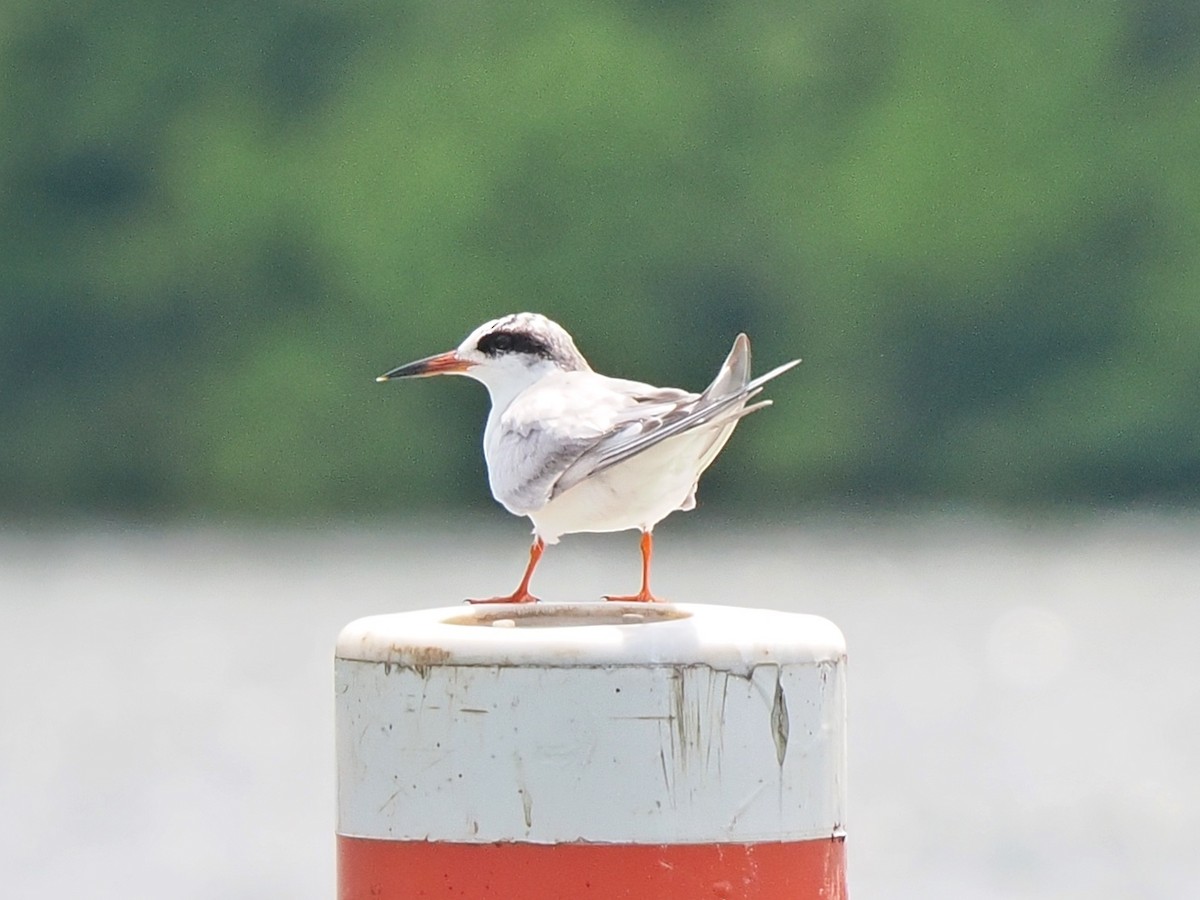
column 1025, row 698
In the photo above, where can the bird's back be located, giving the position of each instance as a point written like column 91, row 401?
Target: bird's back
column 648, row 461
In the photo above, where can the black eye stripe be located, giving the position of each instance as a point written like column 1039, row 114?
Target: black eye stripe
column 498, row 342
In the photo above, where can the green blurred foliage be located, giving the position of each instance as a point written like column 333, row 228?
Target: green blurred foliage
column 978, row 223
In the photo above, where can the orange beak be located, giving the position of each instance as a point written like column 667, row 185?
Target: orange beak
column 447, row 363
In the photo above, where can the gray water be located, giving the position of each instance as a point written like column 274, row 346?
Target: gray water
column 1024, row 698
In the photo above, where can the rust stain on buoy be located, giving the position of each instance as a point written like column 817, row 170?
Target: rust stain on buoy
column 419, row 659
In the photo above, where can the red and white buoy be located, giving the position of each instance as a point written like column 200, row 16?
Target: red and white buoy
column 664, row 751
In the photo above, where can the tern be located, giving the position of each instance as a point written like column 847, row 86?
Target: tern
column 577, row 451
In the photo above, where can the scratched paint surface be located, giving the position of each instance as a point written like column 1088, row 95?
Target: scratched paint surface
column 631, row 754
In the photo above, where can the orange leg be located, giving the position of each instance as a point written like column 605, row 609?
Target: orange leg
column 521, row 594
column 644, row 595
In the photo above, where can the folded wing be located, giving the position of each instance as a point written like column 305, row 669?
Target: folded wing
column 662, row 413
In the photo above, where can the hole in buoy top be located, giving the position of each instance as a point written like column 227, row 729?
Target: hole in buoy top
column 573, row 615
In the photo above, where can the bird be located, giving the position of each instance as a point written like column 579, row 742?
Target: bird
column 577, row 451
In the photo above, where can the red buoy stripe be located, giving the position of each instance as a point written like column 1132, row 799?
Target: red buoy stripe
column 371, row 869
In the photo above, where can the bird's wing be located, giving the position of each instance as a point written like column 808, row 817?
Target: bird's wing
column 656, row 414
column 546, row 429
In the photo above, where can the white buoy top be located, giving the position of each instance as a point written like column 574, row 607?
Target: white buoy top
column 599, row 722
column 726, row 638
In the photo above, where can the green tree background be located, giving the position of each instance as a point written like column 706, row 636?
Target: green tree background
column 979, row 224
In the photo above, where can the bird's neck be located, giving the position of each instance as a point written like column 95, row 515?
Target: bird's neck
column 505, row 390
column 505, row 384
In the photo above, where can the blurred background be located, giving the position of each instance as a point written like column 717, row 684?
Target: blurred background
column 977, row 223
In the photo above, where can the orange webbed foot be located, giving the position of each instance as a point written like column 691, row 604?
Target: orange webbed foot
column 639, row 597
column 516, row 597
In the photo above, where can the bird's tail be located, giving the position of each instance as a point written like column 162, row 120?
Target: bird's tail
column 729, row 395
column 733, row 378
column 734, row 372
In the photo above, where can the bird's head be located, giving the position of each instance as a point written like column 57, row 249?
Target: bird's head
column 505, row 354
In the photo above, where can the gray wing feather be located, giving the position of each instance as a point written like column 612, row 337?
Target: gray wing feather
column 537, row 486
column 637, row 431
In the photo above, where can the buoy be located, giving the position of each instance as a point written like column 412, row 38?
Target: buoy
column 560, row 751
